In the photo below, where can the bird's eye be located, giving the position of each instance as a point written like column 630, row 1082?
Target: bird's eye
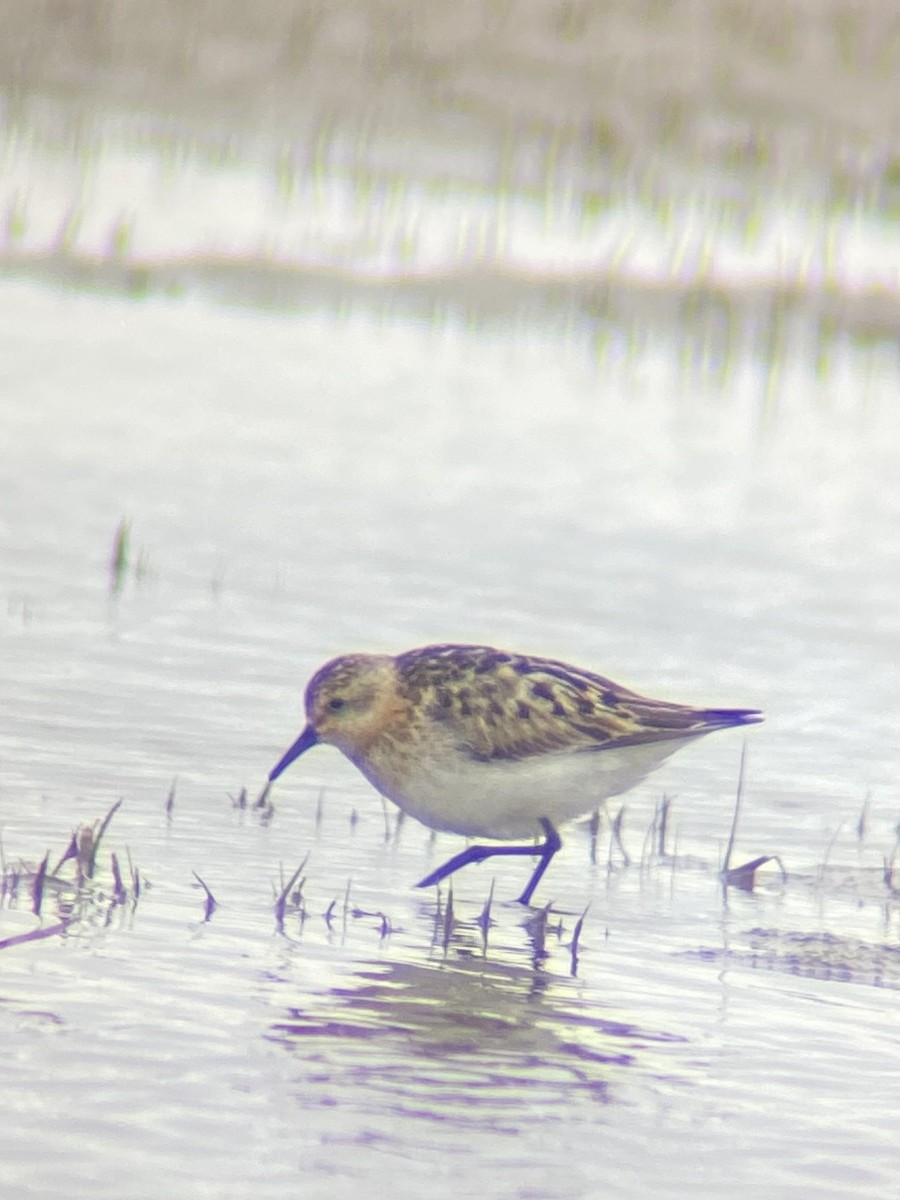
column 336, row 704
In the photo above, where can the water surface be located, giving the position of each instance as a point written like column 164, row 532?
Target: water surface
column 478, row 372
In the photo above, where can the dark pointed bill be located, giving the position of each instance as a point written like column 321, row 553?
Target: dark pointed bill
column 307, row 738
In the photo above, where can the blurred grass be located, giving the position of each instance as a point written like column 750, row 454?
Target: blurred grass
column 620, row 76
column 704, row 168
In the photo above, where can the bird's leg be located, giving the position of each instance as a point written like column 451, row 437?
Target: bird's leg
column 552, row 842
column 473, row 854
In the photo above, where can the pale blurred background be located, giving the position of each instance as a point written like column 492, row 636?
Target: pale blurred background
column 725, row 171
column 569, row 327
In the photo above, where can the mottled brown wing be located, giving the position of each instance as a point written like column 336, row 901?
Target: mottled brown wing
column 506, row 706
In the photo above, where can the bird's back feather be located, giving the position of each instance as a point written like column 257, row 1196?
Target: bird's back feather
column 496, row 706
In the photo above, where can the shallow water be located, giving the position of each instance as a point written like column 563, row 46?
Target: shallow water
column 643, row 433
column 390, row 485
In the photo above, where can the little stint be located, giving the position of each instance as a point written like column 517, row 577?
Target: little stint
column 483, row 743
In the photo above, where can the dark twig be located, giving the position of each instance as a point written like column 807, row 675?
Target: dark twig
column 211, row 905
column 281, row 902
column 135, row 879
column 387, row 820
column 739, row 795
column 37, row 886
column 398, row 825
column 98, row 837
column 663, row 826
column 447, row 932
column 118, row 563
column 889, row 862
column 573, row 945
column 484, row 921
column 617, row 836
column 594, row 828
column 383, row 920
column 35, row 935
column 71, row 851
column 120, row 895
column 744, row 876
column 536, row 927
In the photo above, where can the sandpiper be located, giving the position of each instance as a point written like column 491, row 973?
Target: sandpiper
column 484, row 743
